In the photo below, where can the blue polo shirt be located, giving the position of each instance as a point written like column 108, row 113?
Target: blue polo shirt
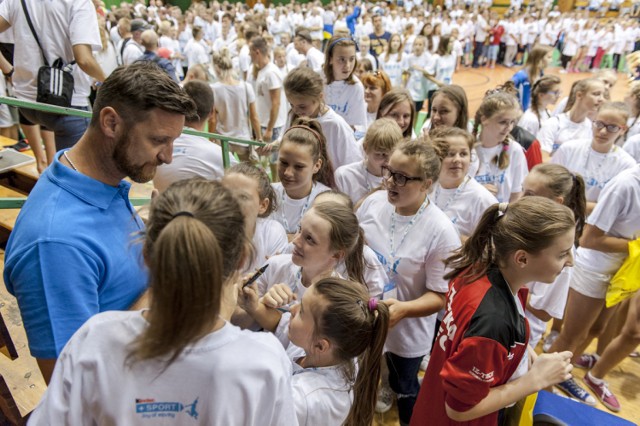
column 73, row 253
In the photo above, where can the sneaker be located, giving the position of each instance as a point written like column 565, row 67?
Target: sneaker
column 587, row 361
column 548, row 341
column 385, row 400
column 571, row 388
column 563, row 71
column 424, row 363
column 20, row 146
column 603, row 393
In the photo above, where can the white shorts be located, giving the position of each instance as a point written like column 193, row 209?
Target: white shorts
column 590, row 284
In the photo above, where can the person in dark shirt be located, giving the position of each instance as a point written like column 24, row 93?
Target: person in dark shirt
column 150, row 44
column 379, row 37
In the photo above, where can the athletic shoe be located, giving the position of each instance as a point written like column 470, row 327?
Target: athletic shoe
column 424, row 363
column 385, row 399
column 571, row 388
column 587, row 361
column 548, row 341
column 603, row 393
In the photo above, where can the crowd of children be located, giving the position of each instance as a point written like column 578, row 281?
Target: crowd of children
column 383, row 248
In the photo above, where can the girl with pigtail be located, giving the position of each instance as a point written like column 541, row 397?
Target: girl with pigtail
column 544, row 92
column 502, row 165
column 480, row 357
column 335, row 371
column 558, row 184
column 304, row 171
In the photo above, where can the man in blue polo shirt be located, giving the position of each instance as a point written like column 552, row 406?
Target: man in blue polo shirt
column 73, row 252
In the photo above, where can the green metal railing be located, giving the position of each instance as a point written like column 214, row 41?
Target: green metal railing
column 16, row 203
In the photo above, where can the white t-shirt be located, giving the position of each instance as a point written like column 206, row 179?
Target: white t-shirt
column 561, row 129
column 342, row 147
column 417, row 84
column 464, row 205
column 348, row 101
column 290, row 211
column 596, row 169
column 444, row 68
column 60, row 25
column 355, row 180
column 322, row 395
column 508, row 180
column 315, row 60
column 232, row 108
column 393, row 67
column 132, row 52
column 193, row 156
column 634, row 127
column 617, row 214
column 530, row 121
column 269, row 79
column 632, row 146
column 209, row 381
column 269, row 239
column 195, row 53
column 418, row 263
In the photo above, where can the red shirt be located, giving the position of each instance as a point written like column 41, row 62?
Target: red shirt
column 481, row 341
column 495, row 35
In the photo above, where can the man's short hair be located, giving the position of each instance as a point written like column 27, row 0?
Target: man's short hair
column 202, row 95
column 260, row 44
column 134, row 90
column 304, row 34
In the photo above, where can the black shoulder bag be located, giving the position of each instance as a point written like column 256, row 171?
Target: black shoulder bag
column 55, row 82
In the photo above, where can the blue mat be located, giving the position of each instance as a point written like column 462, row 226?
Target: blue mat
column 557, row 410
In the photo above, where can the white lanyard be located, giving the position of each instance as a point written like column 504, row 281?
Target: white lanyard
column 455, row 194
column 393, row 250
column 304, row 209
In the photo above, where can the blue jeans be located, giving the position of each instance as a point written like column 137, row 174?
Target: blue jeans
column 67, row 128
column 403, row 379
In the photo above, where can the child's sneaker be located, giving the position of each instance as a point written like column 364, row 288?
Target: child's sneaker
column 602, row 391
column 571, row 388
column 384, row 400
column 587, row 361
column 548, row 341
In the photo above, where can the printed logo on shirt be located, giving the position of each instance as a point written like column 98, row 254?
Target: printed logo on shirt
column 488, row 178
column 149, row 408
column 448, row 327
column 339, row 109
column 483, row 377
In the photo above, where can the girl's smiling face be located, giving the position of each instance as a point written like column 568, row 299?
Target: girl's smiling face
column 401, row 113
column 296, row 167
column 312, row 243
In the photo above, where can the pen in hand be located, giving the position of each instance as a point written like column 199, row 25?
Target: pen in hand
column 255, row 276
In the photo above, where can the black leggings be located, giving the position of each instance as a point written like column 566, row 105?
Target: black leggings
column 564, row 60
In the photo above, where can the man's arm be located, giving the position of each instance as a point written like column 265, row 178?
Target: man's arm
column 87, row 62
column 274, row 94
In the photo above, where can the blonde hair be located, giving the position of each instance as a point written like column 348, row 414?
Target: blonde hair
column 382, row 135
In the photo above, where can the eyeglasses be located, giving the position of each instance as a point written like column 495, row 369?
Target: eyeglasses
column 398, row 178
column 611, row 128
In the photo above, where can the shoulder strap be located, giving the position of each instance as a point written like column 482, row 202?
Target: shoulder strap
column 124, row 44
column 33, row 31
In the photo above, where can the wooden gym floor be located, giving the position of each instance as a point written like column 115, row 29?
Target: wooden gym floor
column 26, row 383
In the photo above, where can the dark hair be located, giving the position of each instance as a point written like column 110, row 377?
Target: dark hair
column 264, row 185
column 540, row 87
column 563, row 183
column 202, row 95
column 443, row 45
column 303, row 33
column 346, row 309
column 391, row 99
column 134, row 90
column 458, row 96
column 529, row 224
column 346, row 235
column 260, row 44
column 187, row 294
column 310, row 134
column 328, row 55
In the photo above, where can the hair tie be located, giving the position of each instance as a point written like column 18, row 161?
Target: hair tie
column 182, row 213
column 502, row 209
column 505, row 147
column 373, row 304
column 307, row 128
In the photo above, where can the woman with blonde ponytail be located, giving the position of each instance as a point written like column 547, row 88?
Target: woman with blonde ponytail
column 180, row 358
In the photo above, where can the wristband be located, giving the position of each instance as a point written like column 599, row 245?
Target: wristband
column 10, row 73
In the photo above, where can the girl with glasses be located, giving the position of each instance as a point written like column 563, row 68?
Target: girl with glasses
column 598, row 160
column 544, row 92
column 411, row 236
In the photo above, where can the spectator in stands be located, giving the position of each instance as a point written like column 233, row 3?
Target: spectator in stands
column 132, row 48
column 71, row 34
column 71, row 253
column 149, row 40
